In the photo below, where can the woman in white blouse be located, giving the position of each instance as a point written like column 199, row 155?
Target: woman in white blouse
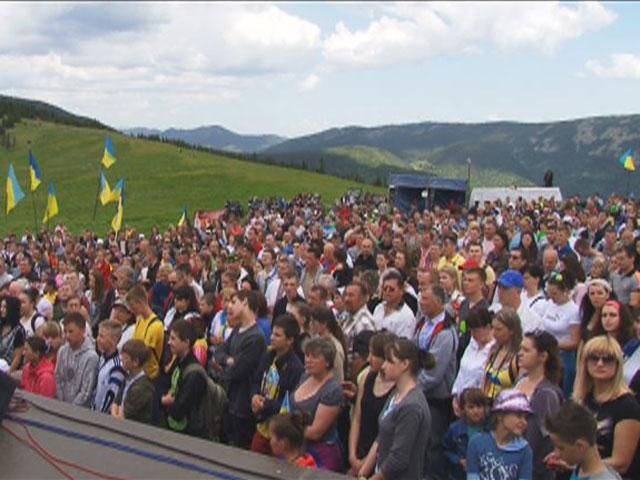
column 471, row 373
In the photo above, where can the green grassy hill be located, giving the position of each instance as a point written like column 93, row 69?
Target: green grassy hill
column 367, row 156
column 160, row 178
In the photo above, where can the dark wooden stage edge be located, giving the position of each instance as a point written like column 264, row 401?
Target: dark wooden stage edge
column 47, row 439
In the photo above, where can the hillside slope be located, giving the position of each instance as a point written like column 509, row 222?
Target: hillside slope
column 14, row 108
column 160, row 178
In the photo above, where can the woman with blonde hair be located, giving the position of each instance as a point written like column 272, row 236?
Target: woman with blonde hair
column 450, row 281
column 600, row 387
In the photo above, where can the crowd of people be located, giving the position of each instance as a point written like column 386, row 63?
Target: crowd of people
column 499, row 341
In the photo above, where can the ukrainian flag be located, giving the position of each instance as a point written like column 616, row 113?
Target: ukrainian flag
column 109, row 156
column 183, row 219
column 116, row 192
column 286, row 405
column 116, row 222
column 105, row 190
column 52, row 204
column 14, row 192
column 626, row 160
column 34, row 172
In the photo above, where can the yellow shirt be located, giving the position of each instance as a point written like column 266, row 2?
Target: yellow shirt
column 456, row 262
column 151, row 331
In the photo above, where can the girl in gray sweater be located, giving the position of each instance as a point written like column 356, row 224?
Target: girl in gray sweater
column 398, row 452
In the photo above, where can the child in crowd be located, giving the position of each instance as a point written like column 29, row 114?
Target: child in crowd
column 137, row 400
column 286, row 433
column 110, row 372
column 474, row 407
column 77, row 365
column 52, row 334
column 38, row 373
column 503, row 453
column 573, row 433
column 200, row 347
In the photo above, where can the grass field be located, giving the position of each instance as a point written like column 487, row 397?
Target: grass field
column 160, row 179
column 368, row 156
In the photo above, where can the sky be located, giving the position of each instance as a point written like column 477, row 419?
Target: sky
column 293, row 69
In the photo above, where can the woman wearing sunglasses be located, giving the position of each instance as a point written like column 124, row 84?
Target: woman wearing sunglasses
column 600, row 387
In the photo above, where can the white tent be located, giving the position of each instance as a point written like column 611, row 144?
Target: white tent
column 513, row 193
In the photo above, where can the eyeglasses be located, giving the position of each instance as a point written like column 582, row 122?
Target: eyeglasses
column 607, row 359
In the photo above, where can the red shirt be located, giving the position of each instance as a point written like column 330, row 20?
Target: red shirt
column 40, row 379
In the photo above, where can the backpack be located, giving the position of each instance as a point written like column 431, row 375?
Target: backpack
column 211, row 409
column 34, row 318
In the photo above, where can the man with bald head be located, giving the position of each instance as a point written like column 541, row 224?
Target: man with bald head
column 549, row 262
column 366, row 259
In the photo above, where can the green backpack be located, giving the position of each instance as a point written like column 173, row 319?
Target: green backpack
column 212, row 407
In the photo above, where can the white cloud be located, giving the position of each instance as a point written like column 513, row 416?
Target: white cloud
column 415, row 31
column 150, row 60
column 309, row 83
column 621, row 66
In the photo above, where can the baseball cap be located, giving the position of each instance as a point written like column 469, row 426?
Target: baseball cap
column 121, row 302
column 511, row 279
column 469, row 264
column 512, row 401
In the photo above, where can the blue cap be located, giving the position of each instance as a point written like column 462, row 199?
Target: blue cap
column 511, row 279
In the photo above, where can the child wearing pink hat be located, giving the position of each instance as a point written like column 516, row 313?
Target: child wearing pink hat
column 503, row 453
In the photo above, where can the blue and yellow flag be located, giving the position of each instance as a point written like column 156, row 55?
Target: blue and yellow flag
column 184, row 220
column 109, row 156
column 116, row 222
column 626, row 160
column 105, row 190
column 14, row 192
column 34, row 172
column 52, row 204
column 116, row 191
column 286, row 405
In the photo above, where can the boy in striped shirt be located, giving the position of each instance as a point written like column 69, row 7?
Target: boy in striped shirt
column 111, row 375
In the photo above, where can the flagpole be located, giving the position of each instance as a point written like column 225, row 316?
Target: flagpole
column 628, row 191
column 95, row 205
column 33, row 198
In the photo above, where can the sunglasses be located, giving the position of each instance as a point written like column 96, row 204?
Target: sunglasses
column 606, row 359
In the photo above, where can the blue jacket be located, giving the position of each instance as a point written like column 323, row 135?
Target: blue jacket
column 454, row 444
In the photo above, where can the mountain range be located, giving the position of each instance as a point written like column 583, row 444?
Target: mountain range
column 212, row 136
column 582, row 153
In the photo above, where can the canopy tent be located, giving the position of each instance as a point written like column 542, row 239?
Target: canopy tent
column 482, row 195
column 409, row 191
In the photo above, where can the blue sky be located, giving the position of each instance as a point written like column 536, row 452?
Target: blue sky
column 297, row 68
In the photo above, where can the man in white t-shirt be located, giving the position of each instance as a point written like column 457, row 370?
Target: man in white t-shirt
column 393, row 314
